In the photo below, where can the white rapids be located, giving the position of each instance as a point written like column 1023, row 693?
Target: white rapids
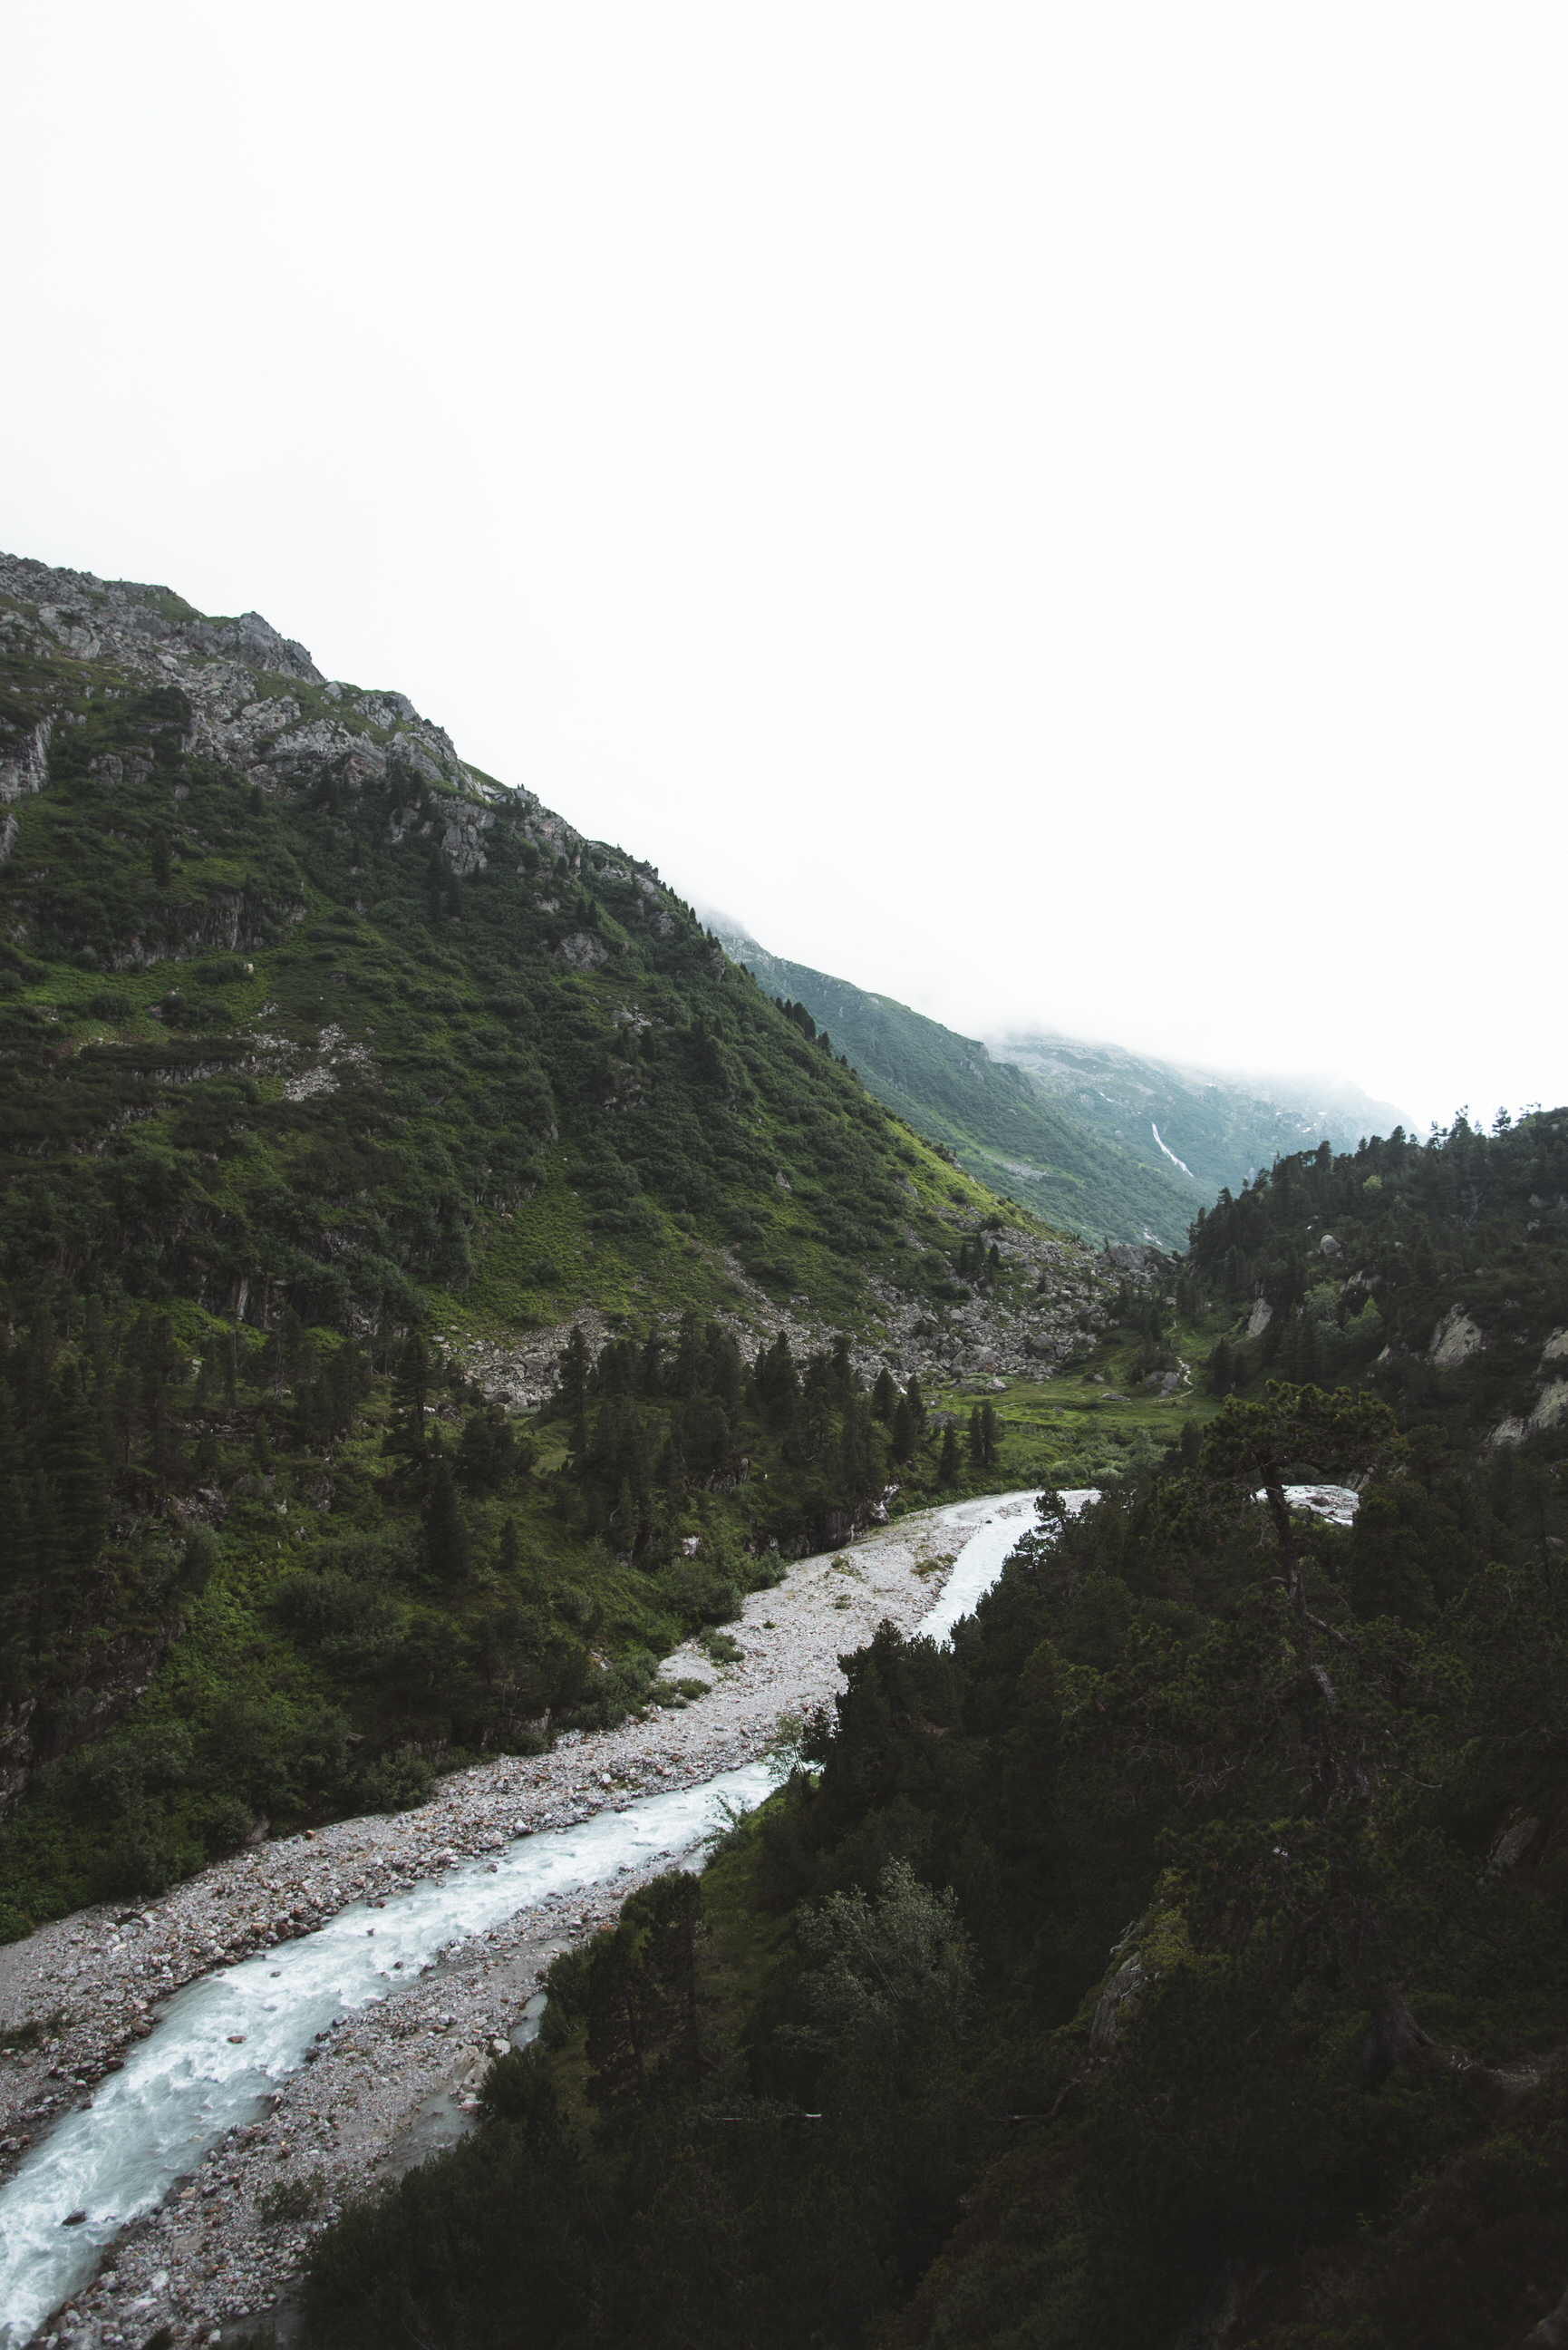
column 986, row 1552
column 227, row 2038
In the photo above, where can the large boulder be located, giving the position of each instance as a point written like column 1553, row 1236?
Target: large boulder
column 582, row 951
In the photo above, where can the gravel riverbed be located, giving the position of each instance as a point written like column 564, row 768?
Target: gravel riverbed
column 397, row 2078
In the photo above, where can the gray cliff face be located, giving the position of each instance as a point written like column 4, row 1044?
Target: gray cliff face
column 259, row 704
column 237, row 675
column 98, row 618
column 258, row 699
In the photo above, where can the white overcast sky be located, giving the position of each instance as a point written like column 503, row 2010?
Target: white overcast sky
column 1054, row 512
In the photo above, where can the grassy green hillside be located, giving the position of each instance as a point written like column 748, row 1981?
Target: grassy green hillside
column 321, row 1047
column 1109, row 1143
column 995, row 1121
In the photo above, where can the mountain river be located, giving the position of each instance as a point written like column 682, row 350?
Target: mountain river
column 224, row 2039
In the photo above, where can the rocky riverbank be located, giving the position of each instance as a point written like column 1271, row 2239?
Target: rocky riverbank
column 395, row 2079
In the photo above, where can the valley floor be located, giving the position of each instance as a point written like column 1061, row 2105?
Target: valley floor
column 394, row 2082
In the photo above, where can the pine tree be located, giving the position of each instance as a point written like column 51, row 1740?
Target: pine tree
column 641, row 1995
column 844, row 1379
column 952, row 1461
column 156, row 1357
column 976, row 1438
column 778, row 1383
column 346, row 1381
column 410, row 1388
column 446, row 1535
column 917, row 1403
column 73, row 1465
column 903, row 1431
column 885, row 1396
column 626, row 1514
column 988, row 1437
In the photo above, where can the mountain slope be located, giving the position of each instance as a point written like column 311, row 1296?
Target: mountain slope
column 1220, row 1129
column 1110, row 1143
column 414, row 1235
column 262, row 930
column 997, row 1123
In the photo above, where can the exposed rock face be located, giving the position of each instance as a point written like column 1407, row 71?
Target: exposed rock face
column 1127, row 1979
column 24, row 767
column 582, row 951
column 89, row 617
column 1552, row 1406
column 1455, row 1339
column 257, row 701
column 464, row 836
column 1262, row 1314
column 235, row 674
column 1144, row 1261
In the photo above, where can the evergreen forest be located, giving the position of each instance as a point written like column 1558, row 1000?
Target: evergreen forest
column 1178, row 1958
column 436, row 1282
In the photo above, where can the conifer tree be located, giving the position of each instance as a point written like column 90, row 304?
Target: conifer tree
column 903, row 1431
column 71, row 1462
column 884, row 1396
column 446, row 1535
column 951, row 1461
column 627, row 1515
column 410, row 1388
column 778, row 1382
